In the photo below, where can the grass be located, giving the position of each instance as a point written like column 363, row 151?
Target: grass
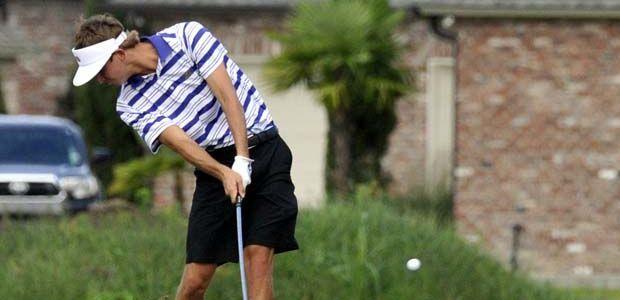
column 349, row 251
column 607, row 294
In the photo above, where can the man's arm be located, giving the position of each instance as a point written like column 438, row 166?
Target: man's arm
column 221, row 85
column 209, row 55
column 176, row 139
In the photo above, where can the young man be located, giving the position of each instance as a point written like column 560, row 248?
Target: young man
column 179, row 88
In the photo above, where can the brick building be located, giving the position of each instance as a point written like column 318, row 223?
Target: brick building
column 517, row 99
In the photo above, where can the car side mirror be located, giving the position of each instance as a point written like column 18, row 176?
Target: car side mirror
column 100, row 155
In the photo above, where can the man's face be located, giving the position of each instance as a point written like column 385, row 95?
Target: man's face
column 114, row 72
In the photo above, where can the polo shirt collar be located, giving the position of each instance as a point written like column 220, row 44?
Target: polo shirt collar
column 162, row 47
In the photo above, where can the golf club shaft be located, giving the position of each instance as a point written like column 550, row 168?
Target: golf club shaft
column 240, row 248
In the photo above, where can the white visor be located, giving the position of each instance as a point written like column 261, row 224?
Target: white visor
column 91, row 59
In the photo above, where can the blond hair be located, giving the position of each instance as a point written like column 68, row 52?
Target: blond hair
column 99, row 28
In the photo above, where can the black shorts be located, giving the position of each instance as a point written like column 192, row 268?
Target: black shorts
column 269, row 210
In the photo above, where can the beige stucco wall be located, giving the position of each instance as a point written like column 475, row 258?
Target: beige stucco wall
column 303, row 125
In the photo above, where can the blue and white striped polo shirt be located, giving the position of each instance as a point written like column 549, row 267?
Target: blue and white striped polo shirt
column 178, row 94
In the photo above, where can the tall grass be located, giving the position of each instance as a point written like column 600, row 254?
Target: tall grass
column 354, row 250
column 91, row 257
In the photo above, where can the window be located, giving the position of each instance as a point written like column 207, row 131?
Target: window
column 40, row 145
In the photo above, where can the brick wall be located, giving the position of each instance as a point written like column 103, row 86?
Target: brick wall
column 242, row 33
column 538, row 138
column 40, row 73
column 404, row 159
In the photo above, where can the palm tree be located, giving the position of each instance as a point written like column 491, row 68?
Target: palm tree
column 347, row 52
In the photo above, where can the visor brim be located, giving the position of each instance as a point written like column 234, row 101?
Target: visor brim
column 85, row 73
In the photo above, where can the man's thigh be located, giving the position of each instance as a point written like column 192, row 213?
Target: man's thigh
column 270, row 209
column 211, row 236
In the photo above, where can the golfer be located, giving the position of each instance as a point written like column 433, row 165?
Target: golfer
column 179, row 88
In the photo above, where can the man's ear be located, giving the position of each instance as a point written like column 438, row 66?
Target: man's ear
column 121, row 54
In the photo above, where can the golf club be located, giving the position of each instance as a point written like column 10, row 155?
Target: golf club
column 240, row 248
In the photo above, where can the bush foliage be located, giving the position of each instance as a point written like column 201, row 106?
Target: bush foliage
column 133, row 179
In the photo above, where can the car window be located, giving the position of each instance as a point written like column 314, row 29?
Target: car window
column 39, row 145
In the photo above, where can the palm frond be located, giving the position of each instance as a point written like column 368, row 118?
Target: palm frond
column 335, row 46
column 333, row 95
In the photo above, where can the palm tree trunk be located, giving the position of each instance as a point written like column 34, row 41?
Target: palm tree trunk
column 339, row 153
column 370, row 142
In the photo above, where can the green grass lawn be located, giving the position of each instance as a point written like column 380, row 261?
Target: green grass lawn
column 348, row 252
column 598, row 294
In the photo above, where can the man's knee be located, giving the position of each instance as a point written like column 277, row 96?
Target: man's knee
column 193, row 285
column 196, row 277
column 259, row 255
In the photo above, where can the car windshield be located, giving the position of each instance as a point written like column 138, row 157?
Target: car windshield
column 39, row 145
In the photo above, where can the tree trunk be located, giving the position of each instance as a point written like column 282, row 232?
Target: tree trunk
column 370, row 138
column 339, row 153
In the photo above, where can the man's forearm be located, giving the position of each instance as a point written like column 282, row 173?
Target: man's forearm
column 236, row 122
column 198, row 157
column 223, row 89
column 175, row 139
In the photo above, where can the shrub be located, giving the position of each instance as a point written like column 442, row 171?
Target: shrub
column 133, row 179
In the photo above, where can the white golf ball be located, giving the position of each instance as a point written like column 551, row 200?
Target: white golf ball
column 413, row 264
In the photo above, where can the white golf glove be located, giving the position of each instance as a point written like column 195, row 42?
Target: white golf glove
column 243, row 166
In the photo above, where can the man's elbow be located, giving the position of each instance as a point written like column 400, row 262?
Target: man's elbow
column 173, row 137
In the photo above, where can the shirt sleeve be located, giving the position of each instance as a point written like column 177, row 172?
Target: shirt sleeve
column 148, row 124
column 203, row 48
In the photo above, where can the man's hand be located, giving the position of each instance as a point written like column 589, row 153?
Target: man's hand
column 243, row 166
column 233, row 184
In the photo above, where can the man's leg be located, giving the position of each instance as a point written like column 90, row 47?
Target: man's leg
column 196, row 278
column 259, row 269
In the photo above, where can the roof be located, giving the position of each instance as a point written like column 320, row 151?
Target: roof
column 480, row 4
column 205, row 3
column 516, row 4
column 37, row 120
column 525, row 8
column 488, row 8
